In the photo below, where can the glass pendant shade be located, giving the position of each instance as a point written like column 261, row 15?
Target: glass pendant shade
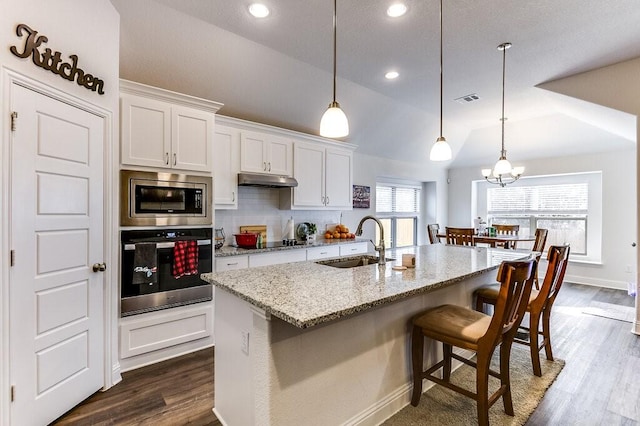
column 334, row 123
column 517, row 171
column 440, row 151
column 502, row 167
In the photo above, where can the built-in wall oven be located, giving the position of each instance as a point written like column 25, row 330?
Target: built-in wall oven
column 160, row 268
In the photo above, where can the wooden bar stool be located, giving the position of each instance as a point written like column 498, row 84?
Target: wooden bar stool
column 476, row 331
column 460, row 236
column 539, row 307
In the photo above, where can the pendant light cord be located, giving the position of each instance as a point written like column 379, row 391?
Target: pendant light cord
column 504, row 61
column 441, row 69
column 335, row 36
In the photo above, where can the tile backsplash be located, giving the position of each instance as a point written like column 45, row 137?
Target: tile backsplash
column 260, row 206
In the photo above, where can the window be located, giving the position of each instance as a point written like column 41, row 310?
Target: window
column 569, row 206
column 398, row 208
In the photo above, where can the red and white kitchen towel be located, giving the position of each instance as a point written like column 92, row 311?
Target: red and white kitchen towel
column 185, row 258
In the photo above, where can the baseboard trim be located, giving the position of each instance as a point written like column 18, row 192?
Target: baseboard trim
column 220, row 419
column 596, row 282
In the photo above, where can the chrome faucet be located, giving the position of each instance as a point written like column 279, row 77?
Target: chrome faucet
column 380, row 247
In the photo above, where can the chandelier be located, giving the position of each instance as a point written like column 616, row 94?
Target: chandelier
column 503, row 173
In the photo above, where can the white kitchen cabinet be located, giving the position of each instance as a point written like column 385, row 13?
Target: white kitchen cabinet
column 277, row 257
column 323, row 252
column 226, row 164
column 355, row 248
column 231, row 263
column 164, row 129
column 265, row 153
column 324, row 175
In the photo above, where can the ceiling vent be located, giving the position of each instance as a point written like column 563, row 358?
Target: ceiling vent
column 468, row 98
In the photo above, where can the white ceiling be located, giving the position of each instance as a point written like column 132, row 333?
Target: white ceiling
column 551, row 39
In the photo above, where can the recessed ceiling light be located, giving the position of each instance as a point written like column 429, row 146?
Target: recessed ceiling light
column 391, row 75
column 259, row 10
column 396, row 10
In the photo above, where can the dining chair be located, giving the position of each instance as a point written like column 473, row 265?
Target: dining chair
column 538, row 246
column 471, row 330
column 539, row 306
column 507, row 230
column 460, row 236
column 433, row 230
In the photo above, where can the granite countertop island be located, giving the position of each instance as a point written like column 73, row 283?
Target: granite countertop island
column 307, row 343
column 306, row 294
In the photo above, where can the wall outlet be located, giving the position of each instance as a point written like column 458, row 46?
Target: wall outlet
column 244, row 342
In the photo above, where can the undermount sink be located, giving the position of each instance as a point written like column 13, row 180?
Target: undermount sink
column 351, row 261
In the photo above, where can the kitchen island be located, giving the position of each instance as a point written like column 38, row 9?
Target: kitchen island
column 307, row 343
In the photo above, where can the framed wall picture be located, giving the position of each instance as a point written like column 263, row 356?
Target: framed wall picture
column 361, row 197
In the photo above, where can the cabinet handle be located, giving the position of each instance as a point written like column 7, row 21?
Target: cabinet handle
column 269, row 165
column 233, row 196
column 232, row 264
column 264, row 166
column 323, row 202
column 166, row 158
column 327, row 201
column 324, row 252
column 175, row 160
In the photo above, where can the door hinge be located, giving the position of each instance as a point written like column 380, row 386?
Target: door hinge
column 13, row 393
column 14, row 121
column 12, row 257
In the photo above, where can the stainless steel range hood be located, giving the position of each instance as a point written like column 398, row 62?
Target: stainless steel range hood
column 267, row 181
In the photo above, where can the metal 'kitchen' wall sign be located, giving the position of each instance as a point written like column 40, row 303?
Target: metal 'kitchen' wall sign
column 52, row 61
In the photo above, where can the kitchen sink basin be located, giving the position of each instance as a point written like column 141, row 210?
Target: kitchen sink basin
column 352, row 261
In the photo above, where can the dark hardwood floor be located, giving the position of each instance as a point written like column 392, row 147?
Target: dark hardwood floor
column 600, row 384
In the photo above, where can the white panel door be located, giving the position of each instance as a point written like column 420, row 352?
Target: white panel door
column 192, row 139
column 56, row 300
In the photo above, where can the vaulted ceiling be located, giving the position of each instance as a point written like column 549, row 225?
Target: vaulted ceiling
column 278, row 70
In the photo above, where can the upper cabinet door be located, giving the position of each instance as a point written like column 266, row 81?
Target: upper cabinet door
column 280, row 159
column 339, row 175
column 308, row 167
column 145, row 131
column 192, row 139
column 226, row 164
column 265, row 153
column 253, row 152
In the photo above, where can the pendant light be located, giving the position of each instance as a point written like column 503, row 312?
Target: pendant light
column 502, row 173
column 334, row 122
column 440, row 151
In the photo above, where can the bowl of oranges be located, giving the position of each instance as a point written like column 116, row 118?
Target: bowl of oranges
column 338, row 231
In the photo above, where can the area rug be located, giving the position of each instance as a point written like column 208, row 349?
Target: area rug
column 441, row 406
column 609, row 310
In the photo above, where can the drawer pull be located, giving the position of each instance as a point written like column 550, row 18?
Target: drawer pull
column 323, row 252
column 232, row 264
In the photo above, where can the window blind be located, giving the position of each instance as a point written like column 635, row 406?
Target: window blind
column 563, row 198
column 397, row 199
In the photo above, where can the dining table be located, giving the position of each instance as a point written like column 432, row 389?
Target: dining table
column 509, row 241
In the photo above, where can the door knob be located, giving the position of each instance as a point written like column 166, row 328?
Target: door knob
column 633, row 244
column 99, row 267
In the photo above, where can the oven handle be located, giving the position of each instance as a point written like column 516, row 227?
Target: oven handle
column 170, row 244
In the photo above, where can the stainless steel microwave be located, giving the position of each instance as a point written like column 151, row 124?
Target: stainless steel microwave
column 157, row 199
